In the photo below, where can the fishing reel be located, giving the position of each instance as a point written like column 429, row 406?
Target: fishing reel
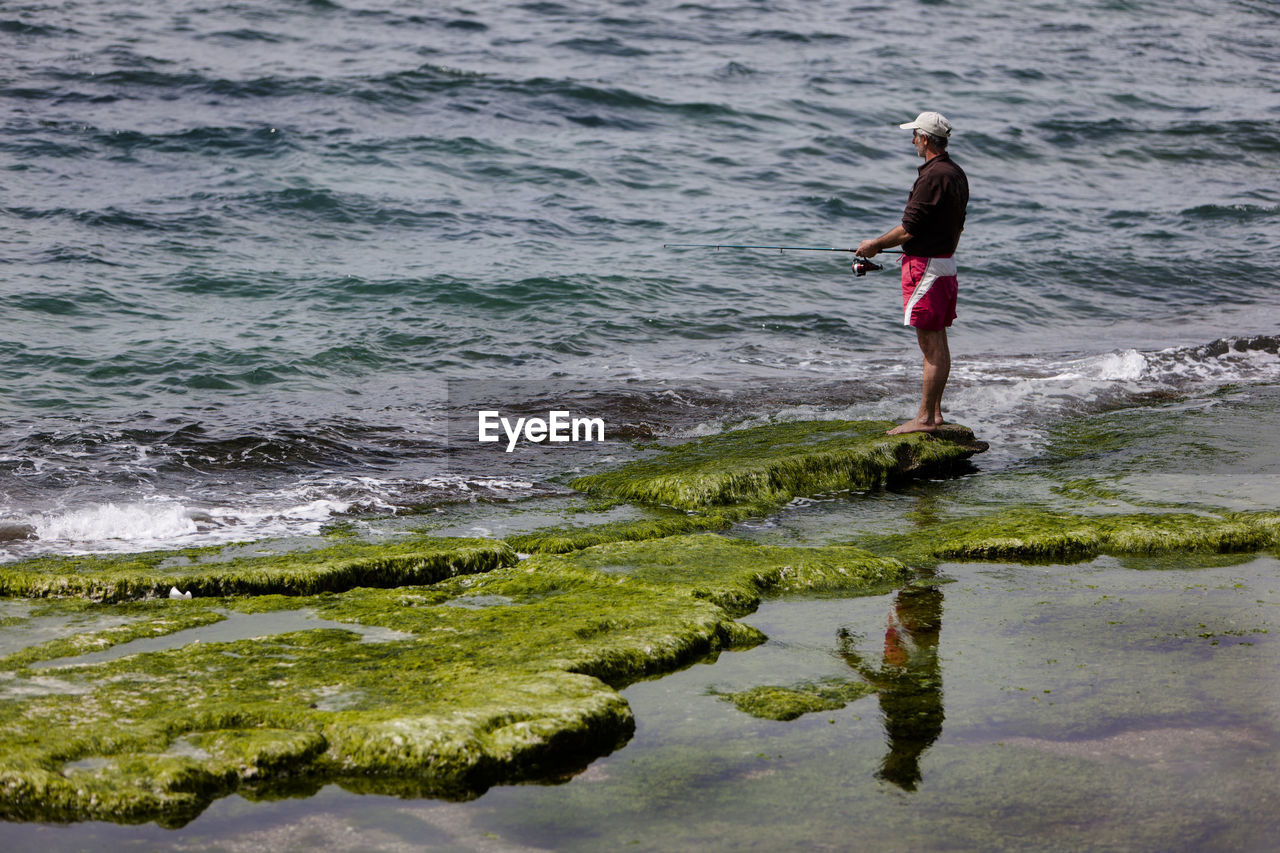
column 862, row 266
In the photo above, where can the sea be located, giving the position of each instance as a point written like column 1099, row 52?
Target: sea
column 255, row 255
column 244, row 247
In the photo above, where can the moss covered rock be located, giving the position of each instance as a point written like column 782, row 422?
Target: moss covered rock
column 205, row 572
column 757, row 469
column 477, row 679
column 1036, row 534
column 771, row 702
column 562, row 540
column 735, row 573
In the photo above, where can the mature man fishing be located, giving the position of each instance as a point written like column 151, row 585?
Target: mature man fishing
column 928, row 235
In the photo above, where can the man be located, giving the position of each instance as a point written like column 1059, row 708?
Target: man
column 928, row 235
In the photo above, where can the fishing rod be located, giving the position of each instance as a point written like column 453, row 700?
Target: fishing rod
column 779, row 248
column 861, row 265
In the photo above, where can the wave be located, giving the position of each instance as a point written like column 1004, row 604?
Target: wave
column 260, row 141
column 199, row 484
column 1232, row 213
column 1016, row 403
column 248, row 34
column 602, row 47
column 146, row 448
column 114, row 217
column 530, row 99
column 135, row 523
column 26, row 28
column 308, row 507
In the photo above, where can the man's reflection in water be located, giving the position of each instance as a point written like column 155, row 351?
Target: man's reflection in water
column 909, row 680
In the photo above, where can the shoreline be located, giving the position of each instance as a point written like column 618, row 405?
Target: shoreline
column 721, row 579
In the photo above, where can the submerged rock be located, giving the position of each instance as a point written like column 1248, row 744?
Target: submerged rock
column 758, row 469
column 448, row 701
column 772, row 702
column 16, row 530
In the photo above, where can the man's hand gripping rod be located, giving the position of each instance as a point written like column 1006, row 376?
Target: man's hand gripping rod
column 861, row 265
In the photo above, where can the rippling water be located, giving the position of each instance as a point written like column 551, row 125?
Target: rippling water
column 243, row 247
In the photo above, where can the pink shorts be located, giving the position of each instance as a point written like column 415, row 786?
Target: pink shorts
column 929, row 290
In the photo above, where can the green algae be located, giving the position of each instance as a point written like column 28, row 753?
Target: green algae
column 205, row 622
column 338, row 566
column 463, row 697
column 505, row 672
column 1110, row 434
column 1184, row 560
column 1204, row 454
column 424, row 710
column 1091, row 489
column 771, row 702
column 735, row 573
column 1042, row 535
column 594, row 506
column 755, row 470
column 561, row 540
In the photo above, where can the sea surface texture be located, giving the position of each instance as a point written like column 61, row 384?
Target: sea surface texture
column 245, row 246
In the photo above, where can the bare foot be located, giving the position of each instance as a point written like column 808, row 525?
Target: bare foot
column 913, row 425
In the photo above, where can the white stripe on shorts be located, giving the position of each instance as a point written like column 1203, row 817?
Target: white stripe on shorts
column 936, row 268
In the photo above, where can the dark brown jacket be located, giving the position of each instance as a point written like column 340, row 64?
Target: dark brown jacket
column 935, row 210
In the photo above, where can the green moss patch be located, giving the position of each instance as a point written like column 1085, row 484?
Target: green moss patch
column 344, row 565
column 451, row 699
column 754, row 470
column 787, row 703
column 561, row 540
column 1033, row 534
column 475, row 698
column 735, row 573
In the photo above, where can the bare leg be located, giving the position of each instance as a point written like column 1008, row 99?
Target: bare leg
column 937, row 368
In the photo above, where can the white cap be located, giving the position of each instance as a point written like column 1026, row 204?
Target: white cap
column 935, row 124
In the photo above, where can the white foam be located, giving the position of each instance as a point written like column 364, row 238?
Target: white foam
column 1127, row 366
column 1155, row 370
column 302, row 509
column 465, row 485
column 131, row 522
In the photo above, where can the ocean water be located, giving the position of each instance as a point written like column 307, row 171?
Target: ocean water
column 245, row 246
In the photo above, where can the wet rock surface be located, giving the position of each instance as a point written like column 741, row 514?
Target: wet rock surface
column 204, row 572
column 448, row 701
column 430, row 666
column 756, row 470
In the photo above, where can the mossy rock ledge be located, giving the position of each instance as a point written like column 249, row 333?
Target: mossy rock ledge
column 753, row 471
column 438, row 690
column 206, row 571
column 562, row 540
column 1031, row 534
